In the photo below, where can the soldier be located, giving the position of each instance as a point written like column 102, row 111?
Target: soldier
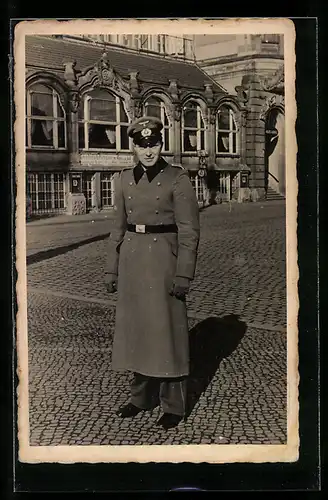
column 151, row 260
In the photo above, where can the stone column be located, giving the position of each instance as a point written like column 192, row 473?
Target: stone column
column 255, row 138
column 97, row 188
column 177, row 134
column 76, row 203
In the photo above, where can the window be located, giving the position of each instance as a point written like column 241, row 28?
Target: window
column 226, row 131
column 269, row 38
column 87, row 188
column 160, row 40
column 127, row 40
column 198, row 185
column 103, row 122
column 47, row 192
column 46, row 124
column 107, row 190
column 143, row 42
column 193, row 128
column 155, row 107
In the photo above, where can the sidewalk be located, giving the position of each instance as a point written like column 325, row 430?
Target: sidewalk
column 109, row 214
column 71, row 219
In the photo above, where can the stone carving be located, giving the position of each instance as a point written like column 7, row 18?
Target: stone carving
column 78, row 206
column 105, row 72
column 73, row 101
column 213, row 115
column 209, row 92
column 138, row 111
column 276, row 82
column 243, row 89
column 70, row 73
column 133, row 83
column 173, row 90
column 177, row 112
column 102, row 74
column 271, row 101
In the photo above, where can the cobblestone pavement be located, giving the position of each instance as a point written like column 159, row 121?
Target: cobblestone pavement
column 238, row 395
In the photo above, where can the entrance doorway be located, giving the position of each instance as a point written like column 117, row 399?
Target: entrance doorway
column 275, row 152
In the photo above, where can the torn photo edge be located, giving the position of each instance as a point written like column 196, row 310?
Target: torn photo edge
column 160, row 453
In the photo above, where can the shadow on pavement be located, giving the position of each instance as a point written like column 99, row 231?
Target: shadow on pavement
column 211, row 340
column 53, row 252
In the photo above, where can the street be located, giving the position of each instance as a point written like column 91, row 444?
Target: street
column 237, row 316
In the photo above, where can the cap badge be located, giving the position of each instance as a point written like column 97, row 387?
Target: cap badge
column 144, row 122
column 146, row 132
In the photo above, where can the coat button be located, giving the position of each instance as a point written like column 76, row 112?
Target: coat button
column 130, row 183
column 156, row 211
column 157, row 197
column 162, row 171
column 158, row 184
column 130, row 197
column 129, row 239
column 155, row 239
column 130, row 211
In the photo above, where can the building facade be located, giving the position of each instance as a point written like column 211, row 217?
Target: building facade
column 81, row 95
column 252, row 66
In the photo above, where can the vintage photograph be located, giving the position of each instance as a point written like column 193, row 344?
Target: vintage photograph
column 156, row 219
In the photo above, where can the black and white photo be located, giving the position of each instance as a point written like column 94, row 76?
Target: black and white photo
column 156, row 222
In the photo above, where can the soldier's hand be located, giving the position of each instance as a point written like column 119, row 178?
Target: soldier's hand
column 180, row 288
column 111, row 286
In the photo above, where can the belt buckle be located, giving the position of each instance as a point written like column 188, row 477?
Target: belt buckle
column 140, row 228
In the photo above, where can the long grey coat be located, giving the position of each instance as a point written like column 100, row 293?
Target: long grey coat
column 151, row 332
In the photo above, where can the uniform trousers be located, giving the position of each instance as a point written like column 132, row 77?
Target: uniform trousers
column 171, row 393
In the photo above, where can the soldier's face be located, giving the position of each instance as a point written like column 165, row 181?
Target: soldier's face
column 148, row 155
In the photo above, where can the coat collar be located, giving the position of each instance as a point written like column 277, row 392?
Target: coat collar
column 151, row 172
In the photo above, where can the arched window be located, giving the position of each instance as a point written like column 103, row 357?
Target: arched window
column 46, row 120
column 226, row 131
column 155, row 107
column 103, row 122
column 193, row 128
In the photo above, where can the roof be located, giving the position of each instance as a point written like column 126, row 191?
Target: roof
column 50, row 53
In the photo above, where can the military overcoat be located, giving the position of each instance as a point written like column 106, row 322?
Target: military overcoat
column 151, row 330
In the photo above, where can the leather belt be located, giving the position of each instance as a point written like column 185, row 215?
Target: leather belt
column 143, row 228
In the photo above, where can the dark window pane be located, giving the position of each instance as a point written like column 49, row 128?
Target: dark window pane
column 189, row 140
column 42, row 132
column 124, row 138
column 234, row 143
column 102, row 136
column 223, row 142
column 42, row 104
column 101, row 110
column 101, row 94
column 81, row 136
column 166, row 139
column 166, row 120
column 61, row 134
column 80, row 111
column 223, row 118
column 60, row 111
column 123, row 116
column 202, row 140
column 190, row 118
column 153, row 110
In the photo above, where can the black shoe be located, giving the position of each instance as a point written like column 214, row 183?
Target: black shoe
column 128, row 410
column 169, row 420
